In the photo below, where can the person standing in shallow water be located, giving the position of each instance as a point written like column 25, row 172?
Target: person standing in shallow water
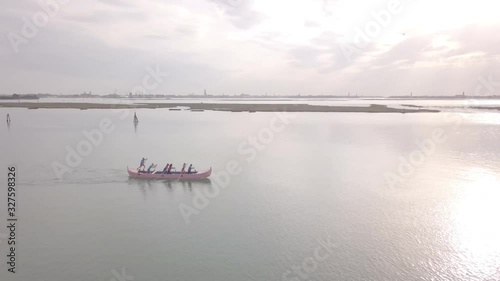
column 8, row 118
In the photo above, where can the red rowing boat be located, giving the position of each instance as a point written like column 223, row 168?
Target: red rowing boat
column 134, row 173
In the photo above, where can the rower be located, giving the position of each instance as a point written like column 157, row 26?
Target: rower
column 169, row 168
column 151, row 168
column 190, row 168
column 183, row 168
column 143, row 164
column 165, row 170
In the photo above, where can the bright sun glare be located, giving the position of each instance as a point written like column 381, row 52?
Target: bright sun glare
column 477, row 226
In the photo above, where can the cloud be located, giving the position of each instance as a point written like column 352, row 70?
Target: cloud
column 327, row 53
column 475, row 38
column 92, row 64
column 235, row 46
column 239, row 12
column 409, row 51
column 311, row 23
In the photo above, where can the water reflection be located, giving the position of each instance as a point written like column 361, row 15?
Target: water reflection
column 146, row 186
column 168, row 184
column 187, row 185
column 477, row 231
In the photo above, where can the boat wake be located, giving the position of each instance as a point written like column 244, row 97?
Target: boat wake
column 79, row 176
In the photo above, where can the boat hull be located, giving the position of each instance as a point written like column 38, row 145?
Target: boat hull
column 133, row 173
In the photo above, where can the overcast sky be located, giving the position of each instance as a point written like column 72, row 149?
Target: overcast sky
column 370, row 47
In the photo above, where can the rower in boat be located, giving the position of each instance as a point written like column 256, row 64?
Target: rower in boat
column 143, row 164
column 165, row 170
column 169, row 169
column 183, row 168
column 191, row 169
column 173, row 176
column 151, row 168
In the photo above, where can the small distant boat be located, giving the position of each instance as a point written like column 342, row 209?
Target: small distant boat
column 133, row 173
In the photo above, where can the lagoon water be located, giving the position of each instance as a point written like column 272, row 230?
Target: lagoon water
column 321, row 178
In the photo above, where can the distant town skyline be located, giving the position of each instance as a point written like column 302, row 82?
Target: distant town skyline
column 321, row 47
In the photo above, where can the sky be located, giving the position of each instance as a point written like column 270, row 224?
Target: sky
column 255, row 47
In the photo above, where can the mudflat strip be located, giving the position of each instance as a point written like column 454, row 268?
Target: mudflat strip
column 232, row 107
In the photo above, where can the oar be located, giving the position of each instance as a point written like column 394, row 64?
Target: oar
column 180, row 175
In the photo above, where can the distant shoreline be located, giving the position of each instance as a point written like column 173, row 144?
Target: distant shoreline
column 230, row 107
column 245, row 97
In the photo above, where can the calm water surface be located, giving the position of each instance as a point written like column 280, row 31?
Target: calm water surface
column 321, row 178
